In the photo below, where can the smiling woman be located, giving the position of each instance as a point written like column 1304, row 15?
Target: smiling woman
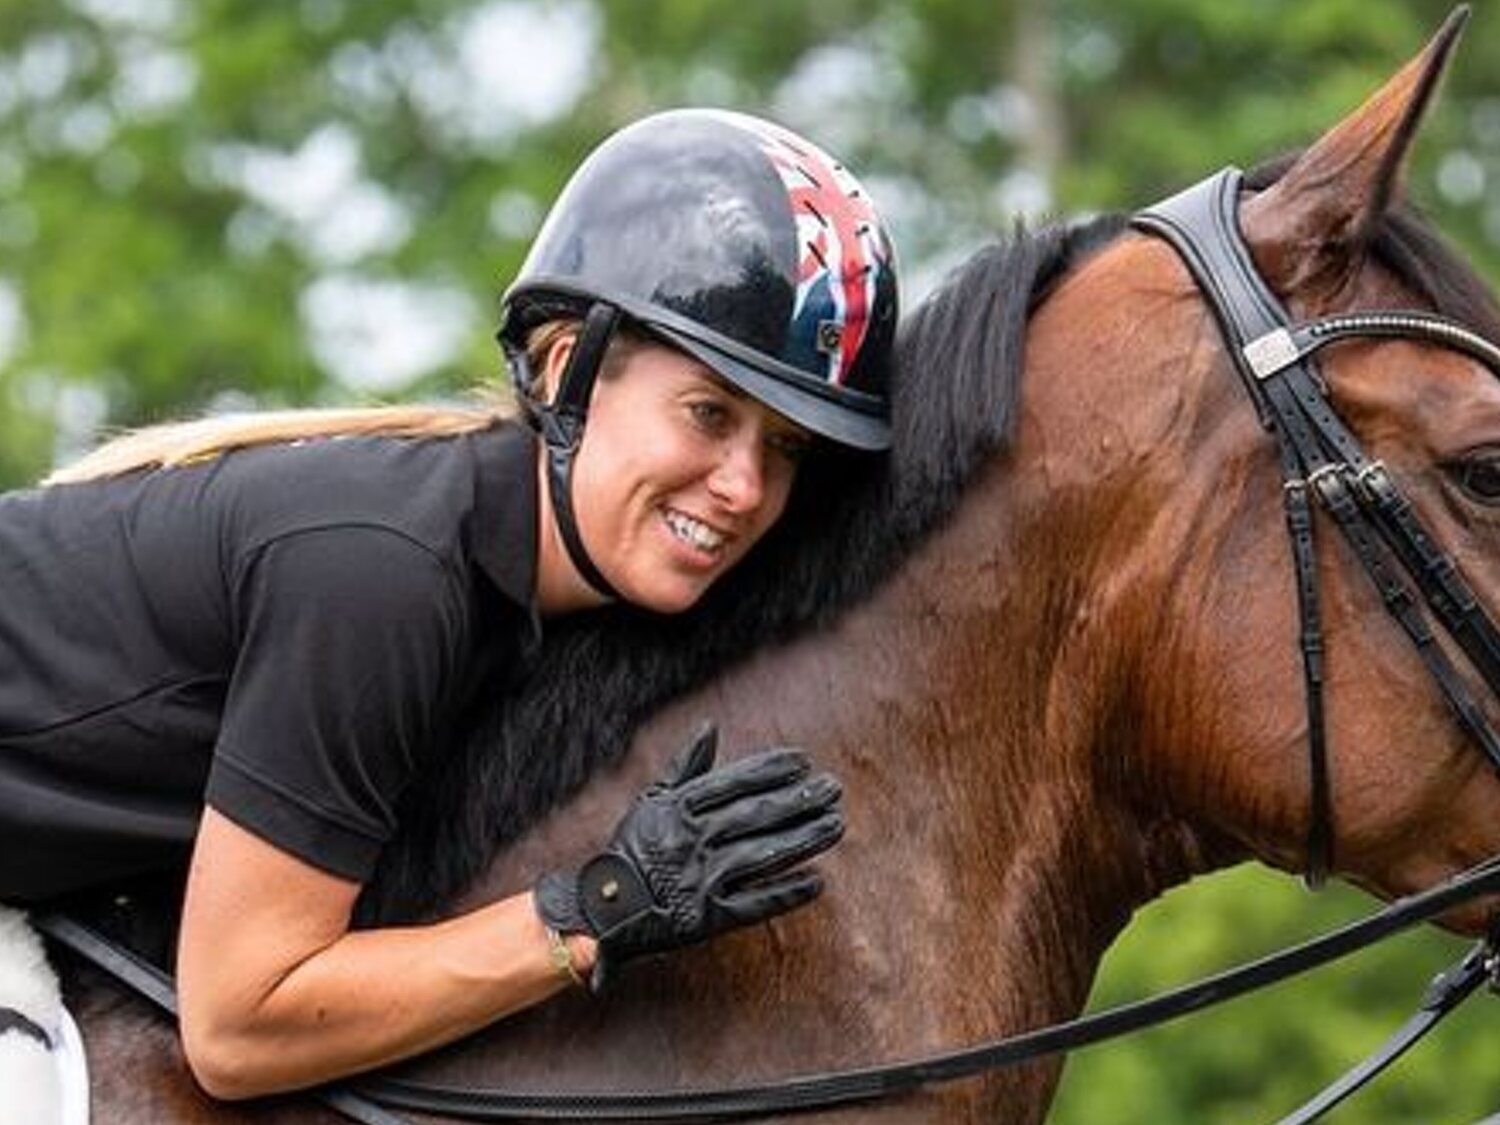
column 243, row 647
column 763, row 259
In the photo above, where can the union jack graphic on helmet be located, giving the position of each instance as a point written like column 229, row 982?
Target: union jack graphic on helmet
column 842, row 251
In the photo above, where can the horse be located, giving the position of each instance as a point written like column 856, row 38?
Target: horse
column 1053, row 659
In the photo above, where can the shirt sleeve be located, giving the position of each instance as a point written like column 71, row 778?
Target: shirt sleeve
column 350, row 637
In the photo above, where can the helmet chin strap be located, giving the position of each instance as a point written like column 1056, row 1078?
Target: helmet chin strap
column 561, row 423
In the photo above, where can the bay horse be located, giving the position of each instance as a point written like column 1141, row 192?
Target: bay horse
column 1055, row 665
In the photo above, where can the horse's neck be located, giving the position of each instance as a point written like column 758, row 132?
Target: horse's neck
column 988, row 842
column 981, row 873
column 985, row 867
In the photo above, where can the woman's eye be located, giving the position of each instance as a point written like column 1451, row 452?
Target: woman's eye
column 793, row 447
column 1480, row 477
column 708, row 414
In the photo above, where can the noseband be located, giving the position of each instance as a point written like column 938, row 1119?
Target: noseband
column 1276, row 360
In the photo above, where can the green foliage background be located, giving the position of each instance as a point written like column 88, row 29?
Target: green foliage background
column 1257, row 1058
column 147, row 271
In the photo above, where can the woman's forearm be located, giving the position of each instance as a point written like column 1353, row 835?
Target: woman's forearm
column 373, row 997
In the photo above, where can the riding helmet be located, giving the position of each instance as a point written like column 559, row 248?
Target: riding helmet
column 739, row 242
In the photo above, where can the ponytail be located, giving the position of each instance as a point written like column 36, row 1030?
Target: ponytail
column 182, row 443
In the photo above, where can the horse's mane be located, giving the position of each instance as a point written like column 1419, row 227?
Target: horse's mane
column 851, row 520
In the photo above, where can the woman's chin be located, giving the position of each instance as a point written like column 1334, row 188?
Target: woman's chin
column 669, row 603
column 670, row 579
column 664, row 593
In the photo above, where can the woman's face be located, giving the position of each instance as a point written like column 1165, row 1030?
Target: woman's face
column 679, row 474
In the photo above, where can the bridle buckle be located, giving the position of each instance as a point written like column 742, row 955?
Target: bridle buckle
column 1273, row 352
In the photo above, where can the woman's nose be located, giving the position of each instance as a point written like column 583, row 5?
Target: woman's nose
column 738, row 480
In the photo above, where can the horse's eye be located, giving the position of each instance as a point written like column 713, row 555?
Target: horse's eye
column 1479, row 476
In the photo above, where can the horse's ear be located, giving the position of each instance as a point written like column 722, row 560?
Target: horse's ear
column 1308, row 230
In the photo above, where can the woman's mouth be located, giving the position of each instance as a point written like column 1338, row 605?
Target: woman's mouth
column 694, row 532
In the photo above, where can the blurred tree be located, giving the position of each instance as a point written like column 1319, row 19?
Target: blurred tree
column 209, row 204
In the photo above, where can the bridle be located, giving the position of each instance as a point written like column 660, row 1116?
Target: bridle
column 1275, row 358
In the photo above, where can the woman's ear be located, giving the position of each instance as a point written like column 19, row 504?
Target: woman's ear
column 554, row 363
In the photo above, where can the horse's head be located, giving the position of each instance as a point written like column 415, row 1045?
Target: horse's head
column 1216, row 690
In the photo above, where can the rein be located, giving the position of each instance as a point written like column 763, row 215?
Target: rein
column 1275, row 359
column 368, row 1100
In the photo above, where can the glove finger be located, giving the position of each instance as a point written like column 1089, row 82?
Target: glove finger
column 768, row 854
column 766, row 900
column 696, row 759
column 771, row 810
column 754, row 773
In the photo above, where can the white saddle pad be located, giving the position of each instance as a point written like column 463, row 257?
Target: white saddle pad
column 37, row 1084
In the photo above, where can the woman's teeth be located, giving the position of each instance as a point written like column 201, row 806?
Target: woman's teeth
column 694, row 532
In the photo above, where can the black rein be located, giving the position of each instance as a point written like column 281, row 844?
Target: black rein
column 366, row 1100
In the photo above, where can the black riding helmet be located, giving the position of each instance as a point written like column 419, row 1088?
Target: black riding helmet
column 734, row 239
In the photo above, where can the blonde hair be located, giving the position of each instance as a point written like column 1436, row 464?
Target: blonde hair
column 182, row 443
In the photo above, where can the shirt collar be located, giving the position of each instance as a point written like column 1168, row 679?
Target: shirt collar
column 505, row 510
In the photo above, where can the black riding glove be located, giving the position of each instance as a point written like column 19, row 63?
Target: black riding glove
column 702, row 851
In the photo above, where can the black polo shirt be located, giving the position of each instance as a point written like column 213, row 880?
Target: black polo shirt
column 281, row 631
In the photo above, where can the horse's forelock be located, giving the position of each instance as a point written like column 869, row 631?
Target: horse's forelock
column 1422, row 258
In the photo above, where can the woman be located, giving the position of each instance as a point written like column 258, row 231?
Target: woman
column 250, row 640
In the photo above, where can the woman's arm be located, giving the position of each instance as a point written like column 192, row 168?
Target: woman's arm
column 276, row 993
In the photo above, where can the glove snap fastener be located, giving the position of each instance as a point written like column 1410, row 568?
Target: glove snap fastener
column 609, row 891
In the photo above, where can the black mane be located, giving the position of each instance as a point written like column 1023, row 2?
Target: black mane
column 851, row 521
